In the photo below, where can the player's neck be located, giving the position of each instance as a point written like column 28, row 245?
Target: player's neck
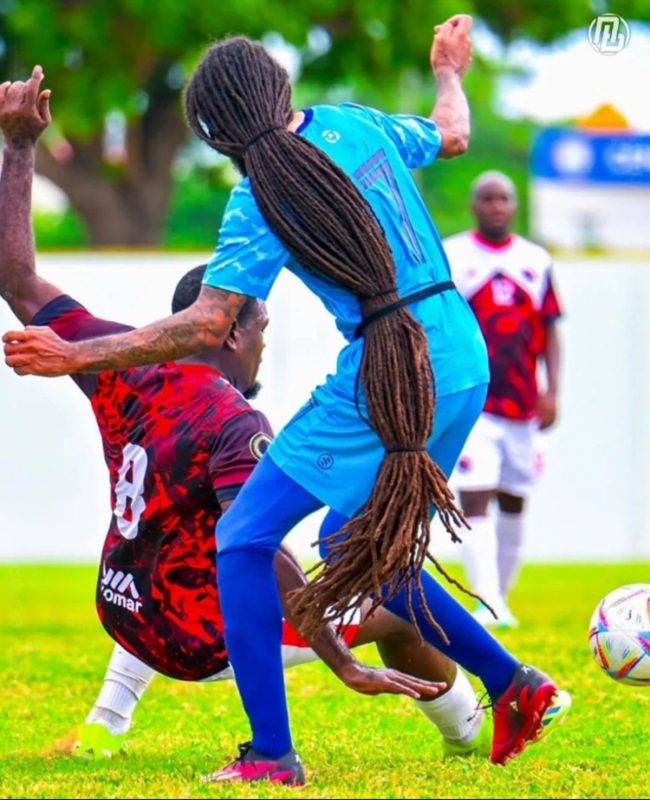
column 199, row 360
column 207, row 360
column 296, row 121
column 491, row 238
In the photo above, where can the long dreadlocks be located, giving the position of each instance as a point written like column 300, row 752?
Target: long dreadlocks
column 239, row 102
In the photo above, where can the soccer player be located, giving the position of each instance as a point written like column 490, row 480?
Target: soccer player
column 327, row 192
column 179, row 441
column 507, row 281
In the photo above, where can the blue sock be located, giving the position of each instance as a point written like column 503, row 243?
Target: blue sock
column 470, row 645
column 248, row 535
column 261, row 686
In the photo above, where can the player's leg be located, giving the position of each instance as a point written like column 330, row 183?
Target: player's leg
column 465, row 727
column 103, row 733
column 506, row 680
column 522, row 468
column 479, row 554
column 455, row 712
column 463, row 724
column 511, row 528
column 269, row 505
column 472, row 647
column 476, row 478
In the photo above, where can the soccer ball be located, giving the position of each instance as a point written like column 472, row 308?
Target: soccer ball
column 619, row 634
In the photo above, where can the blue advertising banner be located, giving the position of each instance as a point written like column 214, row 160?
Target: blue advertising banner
column 579, row 156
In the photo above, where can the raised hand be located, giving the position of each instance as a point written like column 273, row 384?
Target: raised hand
column 24, row 109
column 452, row 46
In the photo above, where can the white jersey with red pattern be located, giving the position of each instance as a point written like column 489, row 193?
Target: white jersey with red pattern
column 509, row 287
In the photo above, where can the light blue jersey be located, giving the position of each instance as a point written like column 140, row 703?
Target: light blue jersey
column 377, row 151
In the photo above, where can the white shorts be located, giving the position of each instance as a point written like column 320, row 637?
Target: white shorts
column 500, row 454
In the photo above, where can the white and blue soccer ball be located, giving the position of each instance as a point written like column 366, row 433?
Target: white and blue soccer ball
column 619, row 634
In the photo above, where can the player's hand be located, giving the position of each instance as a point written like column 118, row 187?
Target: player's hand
column 39, row 351
column 369, row 680
column 24, row 109
column 451, row 51
column 546, row 411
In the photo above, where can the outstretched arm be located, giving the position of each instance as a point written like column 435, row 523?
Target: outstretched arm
column 451, row 55
column 204, row 324
column 335, row 653
column 24, row 115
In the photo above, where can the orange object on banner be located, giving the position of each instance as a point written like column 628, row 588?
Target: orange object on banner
column 605, row 118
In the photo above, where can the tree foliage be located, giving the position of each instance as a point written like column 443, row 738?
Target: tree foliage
column 133, row 56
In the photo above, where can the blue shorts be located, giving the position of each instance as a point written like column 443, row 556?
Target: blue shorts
column 332, row 452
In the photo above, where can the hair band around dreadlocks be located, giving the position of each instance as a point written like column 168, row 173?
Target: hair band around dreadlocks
column 406, row 450
column 428, row 291
column 259, row 135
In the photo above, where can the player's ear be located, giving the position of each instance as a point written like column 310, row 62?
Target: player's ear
column 232, row 339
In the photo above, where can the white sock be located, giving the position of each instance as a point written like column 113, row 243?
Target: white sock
column 479, row 554
column 124, row 684
column 455, row 713
column 510, row 536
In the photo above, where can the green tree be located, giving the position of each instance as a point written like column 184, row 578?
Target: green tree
column 119, row 66
column 116, row 67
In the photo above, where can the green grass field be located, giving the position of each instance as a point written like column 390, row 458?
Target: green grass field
column 53, row 654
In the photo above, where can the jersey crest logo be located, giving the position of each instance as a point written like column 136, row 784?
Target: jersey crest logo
column 503, row 292
column 259, row 444
column 331, row 136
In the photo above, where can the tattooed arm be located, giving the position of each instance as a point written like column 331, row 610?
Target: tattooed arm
column 39, row 351
column 24, row 115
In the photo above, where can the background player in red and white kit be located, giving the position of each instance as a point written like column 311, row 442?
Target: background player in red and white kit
column 507, row 281
column 179, row 440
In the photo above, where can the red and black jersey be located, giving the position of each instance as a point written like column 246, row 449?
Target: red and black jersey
column 178, row 439
column 510, row 289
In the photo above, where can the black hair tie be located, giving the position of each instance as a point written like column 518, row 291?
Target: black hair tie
column 406, row 450
column 259, row 135
column 428, row 291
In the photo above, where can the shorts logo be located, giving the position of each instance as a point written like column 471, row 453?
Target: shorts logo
column 465, row 464
column 325, row 461
column 259, row 444
column 114, row 588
